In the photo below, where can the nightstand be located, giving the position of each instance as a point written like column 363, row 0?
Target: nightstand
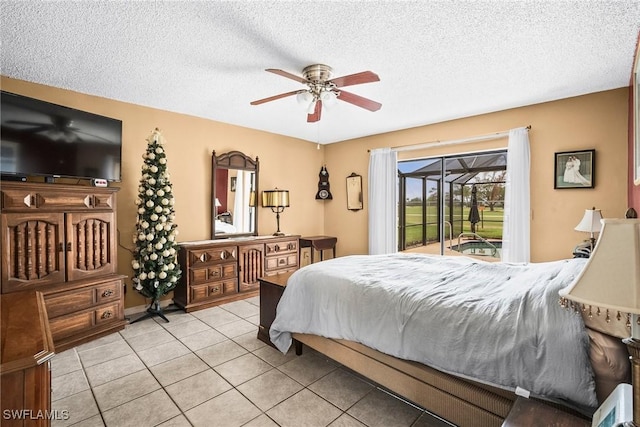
column 532, row 413
column 320, row 244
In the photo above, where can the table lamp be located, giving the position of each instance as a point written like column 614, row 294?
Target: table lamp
column 218, row 204
column 590, row 223
column 611, row 280
column 277, row 200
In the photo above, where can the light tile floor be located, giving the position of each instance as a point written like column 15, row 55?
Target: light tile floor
column 207, row 368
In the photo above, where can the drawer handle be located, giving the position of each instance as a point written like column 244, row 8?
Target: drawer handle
column 107, row 293
column 215, row 274
column 276, row 248
column 107, row 315
column 282, row 261
column 215, row 290
column 68, row 246
column 291, row 246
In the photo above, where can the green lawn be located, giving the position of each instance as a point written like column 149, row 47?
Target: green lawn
column 490, row 226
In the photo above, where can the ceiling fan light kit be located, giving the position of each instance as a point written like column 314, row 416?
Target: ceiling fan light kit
column 321, row 89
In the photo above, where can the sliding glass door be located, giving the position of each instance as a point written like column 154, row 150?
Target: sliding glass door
column 452, row 203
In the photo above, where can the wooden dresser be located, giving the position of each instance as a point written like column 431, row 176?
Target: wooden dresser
column 25, row 349
column 218, row 271
column 61, row 240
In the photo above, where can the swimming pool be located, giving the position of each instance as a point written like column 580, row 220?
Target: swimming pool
column 479, row 248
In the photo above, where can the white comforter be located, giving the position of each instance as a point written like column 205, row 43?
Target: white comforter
column 223, row 227
column 496, row 323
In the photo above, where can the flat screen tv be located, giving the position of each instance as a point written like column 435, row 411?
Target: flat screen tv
column 43, row 139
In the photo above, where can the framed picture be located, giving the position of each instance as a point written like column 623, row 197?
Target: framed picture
column 575, row 169
column 233, row 183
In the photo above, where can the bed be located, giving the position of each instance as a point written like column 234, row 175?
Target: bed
column 223, row 227
column 458, row 336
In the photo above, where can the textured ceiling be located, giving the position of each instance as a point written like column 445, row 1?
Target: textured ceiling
column 436, row 60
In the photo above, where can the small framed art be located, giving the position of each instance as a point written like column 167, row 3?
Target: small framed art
column 574, row 169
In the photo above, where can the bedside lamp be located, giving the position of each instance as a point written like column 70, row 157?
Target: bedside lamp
column 277, row 200
column 590, row 223
column 611, row 280
column 218, row 204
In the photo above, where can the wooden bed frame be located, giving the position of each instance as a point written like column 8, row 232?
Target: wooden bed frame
column 457, row 400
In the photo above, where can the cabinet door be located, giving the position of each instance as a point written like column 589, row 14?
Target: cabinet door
column 32, row 250
column 90, row 244
column 250, row 266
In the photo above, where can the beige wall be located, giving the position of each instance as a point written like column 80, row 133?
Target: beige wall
column 593, row 121
column 287, row 163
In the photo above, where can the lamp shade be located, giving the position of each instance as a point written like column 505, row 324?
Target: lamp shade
column 218, row 204
column 304, row 98
column 275, row 198
column 328, row 98
column 611, row 277
column 590, row 222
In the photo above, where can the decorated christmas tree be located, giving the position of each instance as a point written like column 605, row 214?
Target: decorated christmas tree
column 155, row 264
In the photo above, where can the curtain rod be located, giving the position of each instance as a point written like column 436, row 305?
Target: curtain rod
column 438, row 143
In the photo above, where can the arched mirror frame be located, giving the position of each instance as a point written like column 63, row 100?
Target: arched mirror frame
column 238, row 161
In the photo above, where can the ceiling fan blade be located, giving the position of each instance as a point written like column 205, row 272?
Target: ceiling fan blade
column 359, row 101
column 316, row 113
column 287, row 75
column 273, row 98
column 36, row 127
column 355, row 79
column 22, row 122
column 89, row 136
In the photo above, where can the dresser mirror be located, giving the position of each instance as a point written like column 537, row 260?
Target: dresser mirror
column 234, row 185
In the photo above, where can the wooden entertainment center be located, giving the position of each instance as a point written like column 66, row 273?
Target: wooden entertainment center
column 60, row 240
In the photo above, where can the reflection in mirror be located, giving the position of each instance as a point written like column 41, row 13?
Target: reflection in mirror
column 234, row 185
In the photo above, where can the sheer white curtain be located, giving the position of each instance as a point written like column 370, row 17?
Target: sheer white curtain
column 383, row 227
column 516, row 235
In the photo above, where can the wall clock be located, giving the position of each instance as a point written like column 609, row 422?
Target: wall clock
column 324, row 193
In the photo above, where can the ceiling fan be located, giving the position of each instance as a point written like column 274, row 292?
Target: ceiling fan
column 60, row 128
column 321, row 88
